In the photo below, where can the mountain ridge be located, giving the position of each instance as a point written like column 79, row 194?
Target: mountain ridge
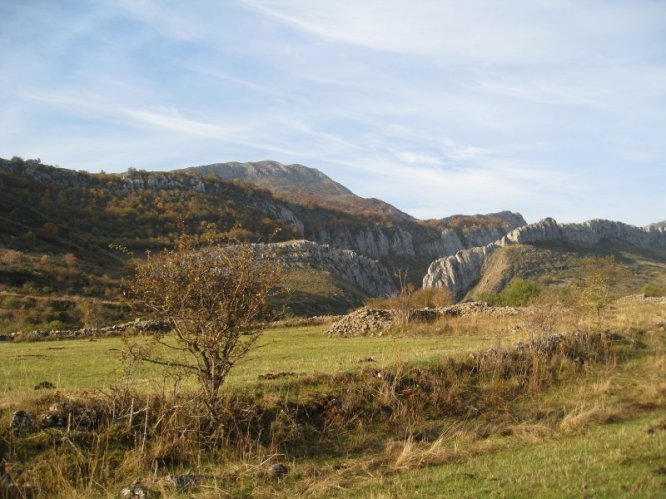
column 298, row 183
column 50, row 216
column 459, row 272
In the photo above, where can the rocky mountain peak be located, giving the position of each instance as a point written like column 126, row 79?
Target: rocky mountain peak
column 265, row 174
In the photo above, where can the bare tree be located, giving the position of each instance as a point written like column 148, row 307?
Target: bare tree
column 401, row 302
column 214, row 300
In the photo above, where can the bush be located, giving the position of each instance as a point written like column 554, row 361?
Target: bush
column 651, row 290
column 518, row 293
column 431, row 298
column 521, row 292
column 214, row 299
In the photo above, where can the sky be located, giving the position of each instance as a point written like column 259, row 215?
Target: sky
column 546, row 107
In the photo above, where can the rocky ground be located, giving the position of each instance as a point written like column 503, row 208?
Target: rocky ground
column 136, row 326
column 376, row 322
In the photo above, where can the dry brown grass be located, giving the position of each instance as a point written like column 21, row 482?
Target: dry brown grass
column 587, row 414
column 384, row 420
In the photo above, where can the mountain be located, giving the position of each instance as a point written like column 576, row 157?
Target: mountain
column 300, row 184
column 553, row 253
column 276, row 177
column 57, row 225
column 658, row 224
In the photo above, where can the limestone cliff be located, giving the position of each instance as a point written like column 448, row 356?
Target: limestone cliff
column 472, row 234
column 417, row 240
column 369, row 275
column 459, row 272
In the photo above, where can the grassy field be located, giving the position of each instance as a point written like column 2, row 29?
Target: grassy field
column 553, row 427
column 83, row 364
column 613, row 460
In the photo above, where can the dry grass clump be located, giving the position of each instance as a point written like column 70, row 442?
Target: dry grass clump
column 585, row 415
column 531, row 433
column 409, row 454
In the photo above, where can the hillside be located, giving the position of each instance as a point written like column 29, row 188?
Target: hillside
column 57, row 226
column 299, row 184
column 558, row 264
column 556, row 254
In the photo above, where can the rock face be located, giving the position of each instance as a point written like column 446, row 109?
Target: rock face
column 451, row 241
column 459, row 272
column 370, row 241
column 398, row 241
column 369, row 275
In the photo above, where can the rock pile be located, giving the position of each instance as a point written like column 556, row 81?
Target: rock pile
column 303, row 321
column 144, row 488
column 375, row 322
column 478, row 309
column 21, row 423
column 363, row 322
column 642, row 299
column 65, row 414
column 138, row 326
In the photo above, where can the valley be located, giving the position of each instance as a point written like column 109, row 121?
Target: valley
column 481, row 354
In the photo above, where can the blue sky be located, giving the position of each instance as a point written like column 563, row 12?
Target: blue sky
column 550, row 108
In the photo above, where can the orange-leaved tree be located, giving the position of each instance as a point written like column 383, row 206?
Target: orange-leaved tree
column 214, row 300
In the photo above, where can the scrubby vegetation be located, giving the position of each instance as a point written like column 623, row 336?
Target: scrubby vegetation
column 380, row 426
column 428, row 406
column 650, row 290
column 518, row 293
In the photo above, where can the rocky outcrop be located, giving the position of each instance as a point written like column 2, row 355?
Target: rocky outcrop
column 590, row 232
column 472, row 235
column 368, row 274
column 459, row 272
column 371, row 241
column 385, row 243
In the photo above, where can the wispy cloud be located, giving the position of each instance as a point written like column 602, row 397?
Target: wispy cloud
column 439, row 106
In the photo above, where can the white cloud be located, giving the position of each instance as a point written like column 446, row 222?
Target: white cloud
column 438, row 29
column 176, row 23
column 437, row 106
column 414, row 157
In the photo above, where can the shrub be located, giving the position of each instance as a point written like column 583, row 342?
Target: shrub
column 214, row 299
column 431, row 298
column 518, row 293
column 521, row 292
column 651, row 290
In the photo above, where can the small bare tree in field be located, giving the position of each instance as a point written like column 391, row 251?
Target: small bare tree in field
column 400, row 303
column 214, row 300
